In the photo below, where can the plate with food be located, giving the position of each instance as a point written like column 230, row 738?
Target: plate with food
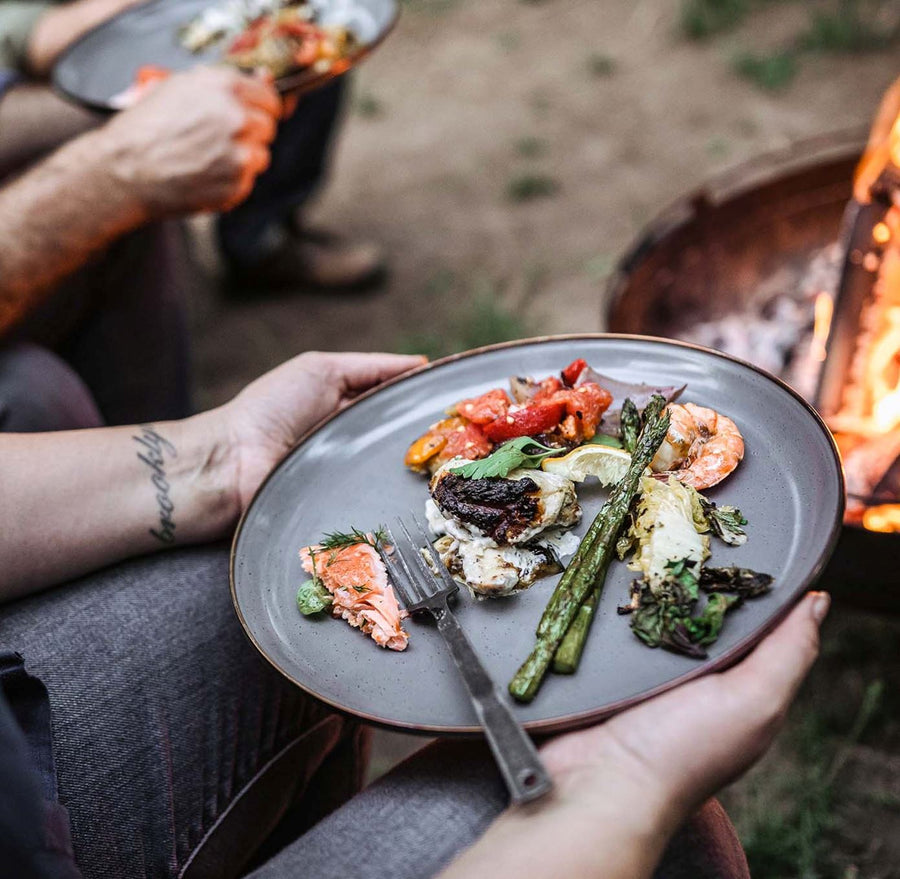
column 621, row 514
column 302, row 43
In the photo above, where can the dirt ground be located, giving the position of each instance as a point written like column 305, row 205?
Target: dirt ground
column 623, row 114
column 602, row 113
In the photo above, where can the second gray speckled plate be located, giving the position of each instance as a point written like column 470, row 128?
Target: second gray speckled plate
column 103, row 63
column 349, row 472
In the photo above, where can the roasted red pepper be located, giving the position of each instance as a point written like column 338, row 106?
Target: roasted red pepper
column 540, row 416
column 573, row 370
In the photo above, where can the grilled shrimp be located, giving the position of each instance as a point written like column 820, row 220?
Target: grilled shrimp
column 701, row 448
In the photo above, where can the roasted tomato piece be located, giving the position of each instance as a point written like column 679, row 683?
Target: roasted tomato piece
column 573, row 370
column 450, row 438
column 584, row 408
column 249, row 39
column 466, row 441
column 548, row 387
column 307, row 54
column 538, row 417
column 486, row 408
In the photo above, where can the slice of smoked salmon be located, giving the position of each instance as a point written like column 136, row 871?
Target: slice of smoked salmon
column 361, row 594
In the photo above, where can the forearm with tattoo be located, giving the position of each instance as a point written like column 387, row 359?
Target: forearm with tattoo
column 74, row 501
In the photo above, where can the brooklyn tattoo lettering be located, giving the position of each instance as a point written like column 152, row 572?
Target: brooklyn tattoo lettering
column 154, row 449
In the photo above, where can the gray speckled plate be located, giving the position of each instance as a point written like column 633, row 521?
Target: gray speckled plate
column 104, row 61
column 349, row 471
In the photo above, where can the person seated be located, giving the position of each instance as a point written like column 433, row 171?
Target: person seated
column 264, row 239
column 176, row 752
column 93, row 278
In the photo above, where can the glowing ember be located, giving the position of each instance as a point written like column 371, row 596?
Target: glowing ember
column 885, row 518
column 881, row 234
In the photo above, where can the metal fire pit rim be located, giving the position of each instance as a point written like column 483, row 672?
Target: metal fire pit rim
column 726, row 186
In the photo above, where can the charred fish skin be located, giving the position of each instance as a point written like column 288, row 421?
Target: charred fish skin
column 499, row 508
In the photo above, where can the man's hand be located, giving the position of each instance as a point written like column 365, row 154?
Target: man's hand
column 196, row 143
column 265, row 421
column 688, row 743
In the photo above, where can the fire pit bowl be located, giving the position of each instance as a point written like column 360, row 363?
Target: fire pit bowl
column 707, row 256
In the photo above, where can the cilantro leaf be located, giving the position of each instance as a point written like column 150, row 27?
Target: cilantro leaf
column 506, row 458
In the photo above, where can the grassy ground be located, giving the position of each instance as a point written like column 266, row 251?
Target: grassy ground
column 824, row 804
column 505, row 152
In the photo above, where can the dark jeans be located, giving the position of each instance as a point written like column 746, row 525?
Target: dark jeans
column 299, row 162
column 109, row 345
column 178, row 749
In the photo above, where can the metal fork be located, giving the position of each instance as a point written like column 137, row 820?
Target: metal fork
column 516, row 756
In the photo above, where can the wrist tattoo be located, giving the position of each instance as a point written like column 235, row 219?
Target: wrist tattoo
column 154, row 449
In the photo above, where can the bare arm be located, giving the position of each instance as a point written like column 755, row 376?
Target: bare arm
column 73, row 501
column 60, row 26
column 55, row 217
column 196, row 143
column 34, row 120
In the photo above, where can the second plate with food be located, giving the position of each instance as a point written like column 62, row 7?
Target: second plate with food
column 350, row 473
column 101, row 67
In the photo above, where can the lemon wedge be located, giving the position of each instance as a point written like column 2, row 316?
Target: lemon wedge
column 609, row 465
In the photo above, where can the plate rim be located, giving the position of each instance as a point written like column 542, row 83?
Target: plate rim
column 578, row 719
column 298, row 82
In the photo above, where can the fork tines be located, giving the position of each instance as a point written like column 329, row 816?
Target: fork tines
column 420, row 586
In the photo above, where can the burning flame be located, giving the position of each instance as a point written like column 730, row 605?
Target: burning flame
column 894, row 142
column 884, row 374
column 823, row 310
column 871, row 409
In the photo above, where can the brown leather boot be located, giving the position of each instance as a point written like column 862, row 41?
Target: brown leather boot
column 321, row 260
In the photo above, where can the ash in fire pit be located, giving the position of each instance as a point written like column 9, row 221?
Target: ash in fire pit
column 784, row 326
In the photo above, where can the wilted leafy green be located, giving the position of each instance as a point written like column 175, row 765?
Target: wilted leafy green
column 313, row 597
column 741, row 581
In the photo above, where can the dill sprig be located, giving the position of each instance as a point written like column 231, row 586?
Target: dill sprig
column 341, row 539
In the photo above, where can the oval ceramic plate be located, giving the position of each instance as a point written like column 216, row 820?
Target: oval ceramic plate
column 349, row 472
column 104, row 61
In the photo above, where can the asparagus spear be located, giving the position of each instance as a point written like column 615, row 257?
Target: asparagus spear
column 631, row 424
column 593, row 556
column 567, row 657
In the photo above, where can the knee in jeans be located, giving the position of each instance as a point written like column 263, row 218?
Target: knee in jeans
column 40, row 392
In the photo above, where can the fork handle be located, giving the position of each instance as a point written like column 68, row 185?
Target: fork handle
column 521, row 767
